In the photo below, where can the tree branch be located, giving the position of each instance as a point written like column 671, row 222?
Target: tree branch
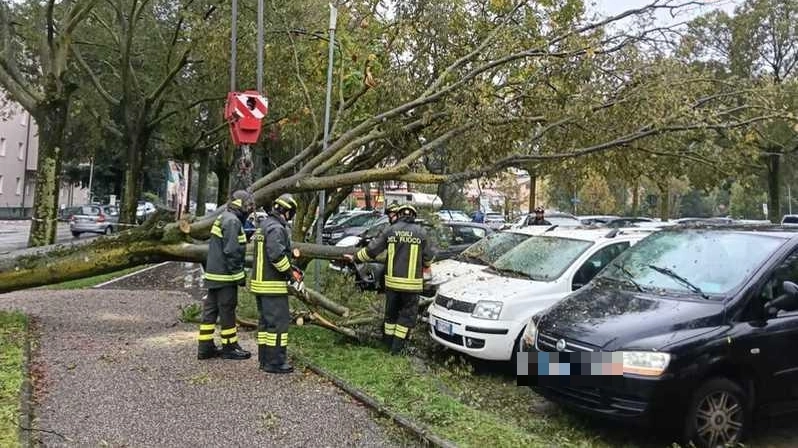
column 95, row 81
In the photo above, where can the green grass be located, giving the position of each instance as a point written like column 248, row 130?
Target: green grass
column 470, row 410
column 12, row 338
column 88, row 282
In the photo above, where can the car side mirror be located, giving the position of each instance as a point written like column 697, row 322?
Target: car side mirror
column 787, row 301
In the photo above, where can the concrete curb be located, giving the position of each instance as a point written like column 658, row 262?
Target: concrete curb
column 423, row 433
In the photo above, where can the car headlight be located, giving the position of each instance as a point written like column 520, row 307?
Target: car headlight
column 645, row 363
column 336, row 235
column 531, row 333
column 486, row 309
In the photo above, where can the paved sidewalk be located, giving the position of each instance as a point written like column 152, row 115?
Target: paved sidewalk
column 118, row 369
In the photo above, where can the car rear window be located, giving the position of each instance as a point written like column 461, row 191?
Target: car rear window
column 790, row 220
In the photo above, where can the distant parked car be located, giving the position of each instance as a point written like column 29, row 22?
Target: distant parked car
column 597, row 220
column 789, row 220
column 494, row 220
column 144, row 210
column 453, row 215
column 353, row 224
column 558, row 219
column 102, row 219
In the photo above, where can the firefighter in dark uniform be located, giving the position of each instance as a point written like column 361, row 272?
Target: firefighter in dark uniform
column 224, row 273
column 409, row 255
column 271, row 274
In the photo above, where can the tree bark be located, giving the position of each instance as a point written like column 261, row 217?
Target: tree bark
column 51, row 118
column 774, row 183
column 635, row 198
column 664, row 201
column 223, row 171
column 367, row 195
column 533, row 191
column 190, row 175
column 202, row 182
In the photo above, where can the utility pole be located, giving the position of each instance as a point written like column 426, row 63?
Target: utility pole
column 325, row 143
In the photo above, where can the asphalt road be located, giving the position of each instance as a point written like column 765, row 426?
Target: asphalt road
column 14, row 234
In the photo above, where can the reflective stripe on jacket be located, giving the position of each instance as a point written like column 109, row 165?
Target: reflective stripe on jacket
column 271, row 266
column 409, row 251
column 226, row 252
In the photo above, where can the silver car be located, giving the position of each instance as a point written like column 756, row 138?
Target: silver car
column 102, row 219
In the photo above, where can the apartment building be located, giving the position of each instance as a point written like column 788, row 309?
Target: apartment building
column 19, row 144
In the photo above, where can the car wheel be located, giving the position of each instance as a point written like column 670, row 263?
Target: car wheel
column 108, row 230
column 76, row 234
column 718, row 414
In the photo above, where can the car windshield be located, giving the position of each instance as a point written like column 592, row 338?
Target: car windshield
column 489, row 249
column 376, row 228
column 337, row 219
column 363, row 219
column 715, row 262
column 542, row 258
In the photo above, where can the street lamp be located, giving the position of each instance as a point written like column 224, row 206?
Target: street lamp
column 325, row 143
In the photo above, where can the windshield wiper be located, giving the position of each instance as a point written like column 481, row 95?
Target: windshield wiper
column 629, row 275
column 469, row 258
column 508, row 272
column 680, row 279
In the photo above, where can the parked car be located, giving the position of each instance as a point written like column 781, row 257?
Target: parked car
column 103, row 219
column 596, row 220
column 484, row 314
column 559, row 219
column 144, row 210
column 449, row 240
column 354, row 224
column 705, row 321
column 453, row 215
column 494, row 220
column 789, row 220
column 628, row 221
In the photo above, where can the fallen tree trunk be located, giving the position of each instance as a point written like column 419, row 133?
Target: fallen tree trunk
column 154, row 242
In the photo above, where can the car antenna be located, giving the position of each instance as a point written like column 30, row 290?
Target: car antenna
column 551, row 228
column 612, row 233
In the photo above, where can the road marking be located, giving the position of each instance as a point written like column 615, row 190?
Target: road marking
column 130, row 275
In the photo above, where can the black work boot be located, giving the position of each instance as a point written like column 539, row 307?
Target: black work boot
column 387, row 340
column 207, row 350
column 263, row 356
column 238, row 347
column 279, row 363
column 233, row 351
column 398, row 346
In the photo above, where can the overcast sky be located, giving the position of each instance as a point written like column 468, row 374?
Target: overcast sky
column 612, row 7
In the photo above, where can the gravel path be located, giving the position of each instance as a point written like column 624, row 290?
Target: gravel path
column 118, row 369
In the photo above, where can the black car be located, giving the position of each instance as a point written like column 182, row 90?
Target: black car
column 351, row 225
column 448, row 239
column 705, row 321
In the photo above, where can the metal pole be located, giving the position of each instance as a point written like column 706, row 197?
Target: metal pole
column 91, row 176
column 789, row 200
column 322, row 193
column 233, row 41
column 260, row 47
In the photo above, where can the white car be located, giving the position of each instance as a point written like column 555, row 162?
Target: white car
column 483, row 311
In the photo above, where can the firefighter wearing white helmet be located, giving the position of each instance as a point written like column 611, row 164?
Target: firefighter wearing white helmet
column 272, row 272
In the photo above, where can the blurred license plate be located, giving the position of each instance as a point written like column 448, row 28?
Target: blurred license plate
column 443, row 327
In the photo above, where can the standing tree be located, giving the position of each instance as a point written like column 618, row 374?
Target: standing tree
column 34, row 72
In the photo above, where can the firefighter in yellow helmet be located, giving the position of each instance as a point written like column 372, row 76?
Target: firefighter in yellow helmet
column 410, row 253
column 224, row 273
column 272, row 272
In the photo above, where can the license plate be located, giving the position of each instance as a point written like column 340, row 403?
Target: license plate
column 443, row 327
